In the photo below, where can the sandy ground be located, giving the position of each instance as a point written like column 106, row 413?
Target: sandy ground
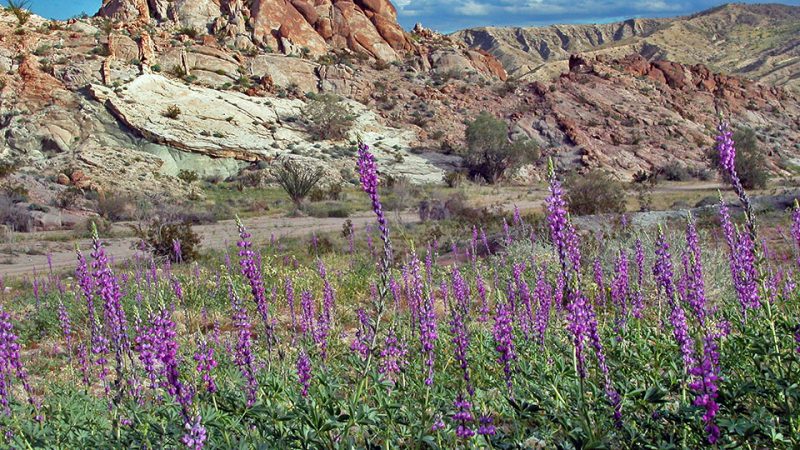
column 215, row 236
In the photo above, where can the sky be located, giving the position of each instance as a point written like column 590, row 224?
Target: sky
column 452, row 15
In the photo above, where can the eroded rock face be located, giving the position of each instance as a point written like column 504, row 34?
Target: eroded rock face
column 234, row 125
column 292, row 26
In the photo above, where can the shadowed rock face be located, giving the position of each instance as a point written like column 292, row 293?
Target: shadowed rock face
column 292, row 26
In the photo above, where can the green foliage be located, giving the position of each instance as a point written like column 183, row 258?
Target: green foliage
column 750, row 162
column 188, row 176
column 595, row 192
column 489, row 152
column 297, row 180
column 328, row 117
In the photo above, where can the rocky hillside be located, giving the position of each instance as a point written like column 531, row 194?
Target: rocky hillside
column 759, row 42
column 104, row 105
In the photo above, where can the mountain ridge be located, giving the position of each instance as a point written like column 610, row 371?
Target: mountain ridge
column 768, row 34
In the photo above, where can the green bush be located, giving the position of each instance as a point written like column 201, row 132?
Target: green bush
column 490, row 154
column 595, row 192
column 328, row 117
column 188, row 176
column 750, row 162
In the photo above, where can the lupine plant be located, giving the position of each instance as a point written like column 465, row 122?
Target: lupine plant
column 516, row 337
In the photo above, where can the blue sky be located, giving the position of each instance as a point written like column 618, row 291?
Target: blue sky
column 452, row 15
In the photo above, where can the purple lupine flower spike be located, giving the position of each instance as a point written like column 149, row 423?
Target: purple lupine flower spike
column 663, row 272
column 504, row 342
column 393, row 358
column 250, row 264
column 368, row 173
column 304, row 372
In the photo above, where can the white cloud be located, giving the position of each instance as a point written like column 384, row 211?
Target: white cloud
column 472, row 8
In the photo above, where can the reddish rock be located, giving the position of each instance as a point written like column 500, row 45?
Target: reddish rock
column 77, row 177
column 62, row 180
column 673, row 73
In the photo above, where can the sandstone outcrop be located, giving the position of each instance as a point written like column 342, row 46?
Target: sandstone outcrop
column 292, row 26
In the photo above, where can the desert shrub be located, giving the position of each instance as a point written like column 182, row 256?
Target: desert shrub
column 190, row 32
column 14, row 217
column 595, row 192
column 454, row 179
column 116, row 207
column 490, row 153
column 676, row 171
column 68, row 198
column 159, row 237
column 332, row 192
column 172, row 112
column 188, row 176
column 16, row 193
column 328, row 117
column 328, row 209
column 297, row 180
column 750, row 162
column 7, row 169
column 320, row 245
column 20, row 9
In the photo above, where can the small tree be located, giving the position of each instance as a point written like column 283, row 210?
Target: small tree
column 594, row 193
column 750, row 162
column 297, row 180
column 490, row 153
column 328, row 117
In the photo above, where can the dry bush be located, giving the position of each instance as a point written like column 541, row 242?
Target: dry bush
column 595, row 192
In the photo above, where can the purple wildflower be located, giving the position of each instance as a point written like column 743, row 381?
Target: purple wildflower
column 427, row 318
column 619, row 285
column 695, row 289
column 597, row 270
column 204, row 357
column 742, row 263
column 504, row 342
column 486, row 427
column 250, row 264
column 705, row 386
column 662, row 271
column 364, row 335
column 463, row 417
column 461, row 339
column 195, row 436
column 304, row 372
column 306, row 313
column 393, row 358
column 10, row 362
column 243, row 356
column 368, row 173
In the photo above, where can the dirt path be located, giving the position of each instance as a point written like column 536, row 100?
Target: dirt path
column 215, row 236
